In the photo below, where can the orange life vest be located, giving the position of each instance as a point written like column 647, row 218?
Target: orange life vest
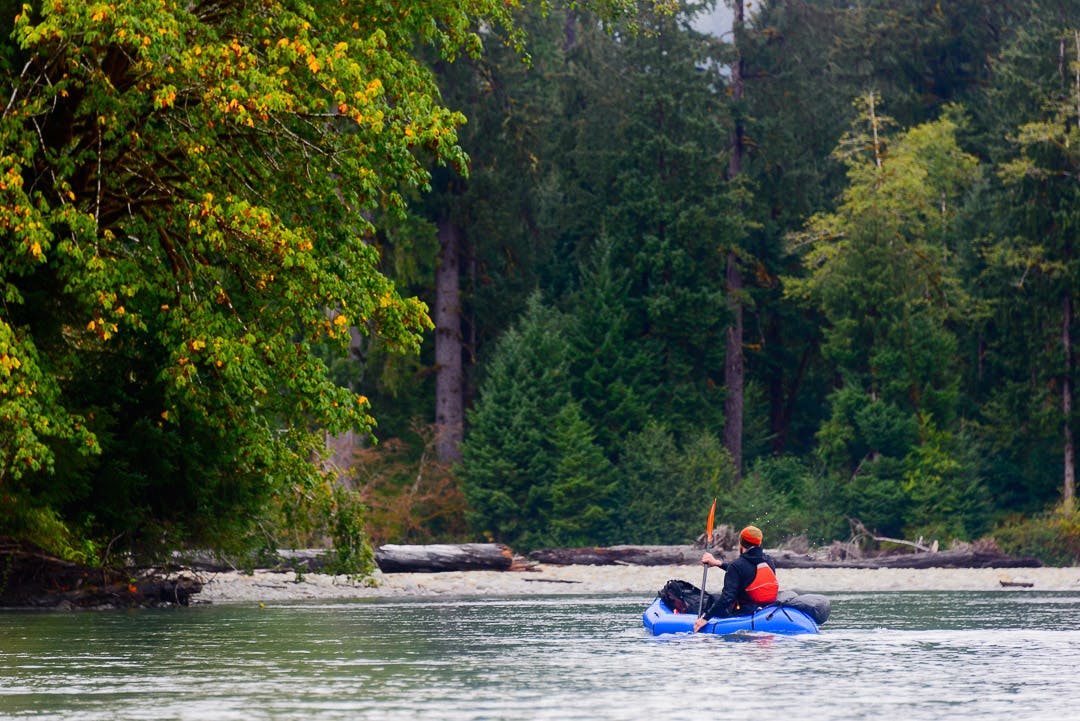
column 764, row 587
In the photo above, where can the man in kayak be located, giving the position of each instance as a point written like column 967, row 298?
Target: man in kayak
column 749, row 580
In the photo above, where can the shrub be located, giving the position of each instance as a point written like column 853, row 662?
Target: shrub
column 667, row 486
column 1053, row 538
column 410, row 496
column 875, row 495
column 794, row 501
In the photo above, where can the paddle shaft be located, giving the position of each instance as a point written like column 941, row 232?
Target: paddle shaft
column 705, row 571
column 704, row 576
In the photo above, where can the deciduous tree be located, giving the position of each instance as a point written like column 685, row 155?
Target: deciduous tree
column 188, row 194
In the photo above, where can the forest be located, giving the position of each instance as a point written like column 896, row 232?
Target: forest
column 279, row 274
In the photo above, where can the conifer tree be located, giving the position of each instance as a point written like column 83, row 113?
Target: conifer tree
column 879, row 269
column 1044, row 197
column 519, row 431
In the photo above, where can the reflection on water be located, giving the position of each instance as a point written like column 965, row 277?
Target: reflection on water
column 912, row 656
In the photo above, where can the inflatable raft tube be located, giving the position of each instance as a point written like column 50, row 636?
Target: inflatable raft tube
column 659, row 620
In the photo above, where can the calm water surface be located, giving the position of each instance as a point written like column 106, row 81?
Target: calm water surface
column 882, row 656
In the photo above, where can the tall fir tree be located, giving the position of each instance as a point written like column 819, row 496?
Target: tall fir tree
column 530, row 471
column 882, row 270
column 1044, row 196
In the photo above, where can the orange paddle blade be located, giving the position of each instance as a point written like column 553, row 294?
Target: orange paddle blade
column 709, row 527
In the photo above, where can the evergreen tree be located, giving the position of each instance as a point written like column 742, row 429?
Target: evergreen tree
column 613, row 374
column 805, row 61
column 665, row 484
column 528, row 461
column 880, row 271
column 643, row 167
column 583, row 508
column 1043, row 214
column 647, row 216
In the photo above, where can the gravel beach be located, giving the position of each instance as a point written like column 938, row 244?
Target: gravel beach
column 266, row 586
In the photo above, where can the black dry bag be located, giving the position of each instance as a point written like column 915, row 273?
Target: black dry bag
column 683, row 597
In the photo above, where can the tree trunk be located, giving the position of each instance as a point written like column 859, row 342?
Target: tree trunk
column 952, row 558
column 619, row 555
column 782, row 397
column 690, row 555
column 342, row 448
column 449, row 379
column 443, row 557
column 570, row 30
column 1068, row 491
column 1069, row 486
column 734, row 368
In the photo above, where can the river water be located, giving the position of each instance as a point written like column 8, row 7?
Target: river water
column 882, row 656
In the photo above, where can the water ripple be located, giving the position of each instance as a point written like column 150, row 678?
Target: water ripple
column 911, row 656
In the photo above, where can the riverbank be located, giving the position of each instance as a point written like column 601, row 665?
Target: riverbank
column 267, row 586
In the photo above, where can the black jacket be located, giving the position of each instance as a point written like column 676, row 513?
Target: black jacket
column 740, row 573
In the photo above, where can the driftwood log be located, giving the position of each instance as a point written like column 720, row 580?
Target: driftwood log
column 441, row 557
column 618, row 555
column 390, row 558
column 676, row 555
column 941, row 559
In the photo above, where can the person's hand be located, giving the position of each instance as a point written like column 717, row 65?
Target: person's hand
column 699, row 622
column 707, row 559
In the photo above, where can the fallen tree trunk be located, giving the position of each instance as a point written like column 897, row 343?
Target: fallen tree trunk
column 941, row 559
column 613, row 555
column 442, row 557
column 678, row 555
